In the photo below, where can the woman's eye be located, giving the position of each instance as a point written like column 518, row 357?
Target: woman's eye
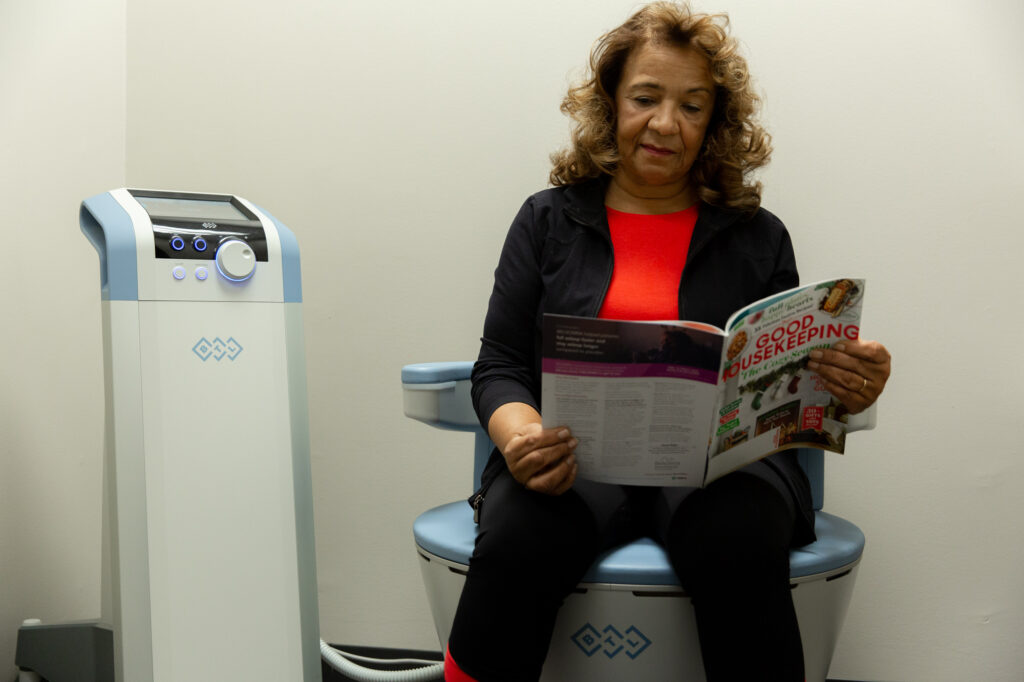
column 644, row 100
column 691, row 108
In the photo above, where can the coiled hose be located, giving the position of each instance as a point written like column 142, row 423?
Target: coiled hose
column 336, row 659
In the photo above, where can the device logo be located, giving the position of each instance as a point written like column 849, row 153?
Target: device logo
column 210, row 226
column 610, row 641
column 217, row 349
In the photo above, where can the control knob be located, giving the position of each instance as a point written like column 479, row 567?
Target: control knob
column 235, row 260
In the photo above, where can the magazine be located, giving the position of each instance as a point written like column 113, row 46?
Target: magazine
column 678, row 403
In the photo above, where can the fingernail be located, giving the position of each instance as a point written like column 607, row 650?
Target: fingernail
column 816, row 354
column 840, row 347
column 563, row 434
column 812, row 365
column 573, row 442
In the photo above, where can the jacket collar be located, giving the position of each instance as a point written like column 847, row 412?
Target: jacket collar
column 710, row 221
column 585, row 205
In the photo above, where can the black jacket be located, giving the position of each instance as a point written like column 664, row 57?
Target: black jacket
column 558, row 258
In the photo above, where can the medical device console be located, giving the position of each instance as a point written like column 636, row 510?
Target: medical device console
column 208, row 550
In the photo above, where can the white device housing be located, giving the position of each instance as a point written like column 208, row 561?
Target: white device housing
column 209, row 562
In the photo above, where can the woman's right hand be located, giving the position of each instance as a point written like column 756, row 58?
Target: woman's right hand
column 540, row 459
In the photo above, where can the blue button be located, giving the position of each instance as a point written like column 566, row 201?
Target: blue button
column 178, row 272
column 202, row 273
column 177, row 243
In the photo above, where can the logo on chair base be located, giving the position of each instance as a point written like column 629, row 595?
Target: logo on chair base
column 217, row 349
column 610, row 641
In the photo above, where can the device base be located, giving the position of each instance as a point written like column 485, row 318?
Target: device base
column 81, row 651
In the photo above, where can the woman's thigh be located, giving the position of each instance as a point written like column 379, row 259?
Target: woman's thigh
column 521, row 528
column 720, row 498
column 740, row 525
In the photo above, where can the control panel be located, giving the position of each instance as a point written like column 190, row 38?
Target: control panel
column 210, row 227
column 197, row 246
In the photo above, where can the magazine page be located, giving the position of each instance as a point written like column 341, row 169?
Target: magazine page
column 767, row 399
column 637, row 395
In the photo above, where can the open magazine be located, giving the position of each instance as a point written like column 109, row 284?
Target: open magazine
column 684, row 403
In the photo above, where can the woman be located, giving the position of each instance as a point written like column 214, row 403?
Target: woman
column 653, row 216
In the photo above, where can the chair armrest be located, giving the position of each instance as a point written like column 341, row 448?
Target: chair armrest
column 437, row 393
column 863, row 421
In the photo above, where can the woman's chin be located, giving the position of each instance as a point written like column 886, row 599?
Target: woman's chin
column 660, row 185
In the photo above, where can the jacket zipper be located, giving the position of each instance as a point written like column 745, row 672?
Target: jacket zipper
column 691, row 255
column 477, row 500
column 608, row 272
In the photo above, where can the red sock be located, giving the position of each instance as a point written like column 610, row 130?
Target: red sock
column 452, row 671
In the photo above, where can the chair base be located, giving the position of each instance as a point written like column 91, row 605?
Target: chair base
column 638, row 632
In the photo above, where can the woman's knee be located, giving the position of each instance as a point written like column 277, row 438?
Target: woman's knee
column 523, row 531
column 738, row 531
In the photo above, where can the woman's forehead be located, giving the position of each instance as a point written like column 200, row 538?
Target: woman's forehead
column 666, row 65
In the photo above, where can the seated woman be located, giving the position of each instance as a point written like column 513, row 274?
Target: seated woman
column 653, row 216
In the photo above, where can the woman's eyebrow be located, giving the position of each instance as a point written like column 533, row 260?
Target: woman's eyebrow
column 654, row 85
column 646, row 85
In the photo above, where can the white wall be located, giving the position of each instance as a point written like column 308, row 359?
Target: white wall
column 899, row 147
column 397, row 141
column 62, row 108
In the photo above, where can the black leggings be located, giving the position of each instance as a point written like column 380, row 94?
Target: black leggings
column 728, row 543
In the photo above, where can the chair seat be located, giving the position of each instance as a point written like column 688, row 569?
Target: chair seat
column 448, row 532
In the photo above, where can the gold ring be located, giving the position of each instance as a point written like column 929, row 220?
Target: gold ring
column 864, row 386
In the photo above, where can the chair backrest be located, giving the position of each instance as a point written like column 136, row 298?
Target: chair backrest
column 812, row 461
column 437, row 393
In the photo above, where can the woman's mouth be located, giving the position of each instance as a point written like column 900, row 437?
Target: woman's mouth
column 657, row 151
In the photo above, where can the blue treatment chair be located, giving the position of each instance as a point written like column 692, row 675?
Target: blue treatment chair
column 628, row 619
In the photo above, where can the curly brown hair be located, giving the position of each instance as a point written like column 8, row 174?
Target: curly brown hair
column 735, row 143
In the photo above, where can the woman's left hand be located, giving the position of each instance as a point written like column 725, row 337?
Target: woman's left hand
column 854, row 371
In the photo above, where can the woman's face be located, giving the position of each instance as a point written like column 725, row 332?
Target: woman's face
column 663, row 105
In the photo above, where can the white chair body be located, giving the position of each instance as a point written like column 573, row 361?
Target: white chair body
column 628, row 619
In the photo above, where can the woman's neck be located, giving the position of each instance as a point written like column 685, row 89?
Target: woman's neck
column 622, row 196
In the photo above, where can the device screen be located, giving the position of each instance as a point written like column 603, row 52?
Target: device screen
column 190, row 209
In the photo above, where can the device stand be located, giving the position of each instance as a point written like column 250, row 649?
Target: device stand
column 85, row 648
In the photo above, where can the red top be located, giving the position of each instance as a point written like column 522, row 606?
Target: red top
column 650, row 252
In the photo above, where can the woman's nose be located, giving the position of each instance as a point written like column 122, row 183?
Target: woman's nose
column 663, row 121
